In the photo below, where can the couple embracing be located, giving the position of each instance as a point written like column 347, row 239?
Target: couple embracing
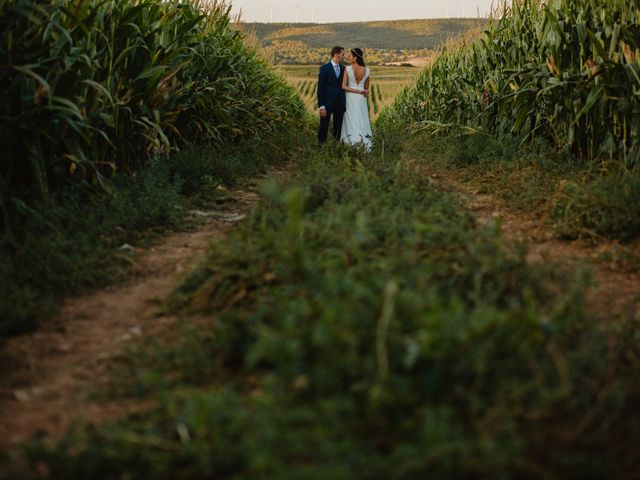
column 342, row 94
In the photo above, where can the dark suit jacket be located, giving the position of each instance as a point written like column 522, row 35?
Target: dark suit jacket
column 330, row 93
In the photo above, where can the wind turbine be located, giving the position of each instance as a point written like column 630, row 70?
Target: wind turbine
column 297, row 7
column 271, row 12
column 313, row 12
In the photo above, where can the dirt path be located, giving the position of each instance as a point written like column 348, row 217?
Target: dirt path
column 47, row 377
column 616, row 290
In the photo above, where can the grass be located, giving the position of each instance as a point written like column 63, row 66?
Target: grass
column 526, row 176
column 359, row 325
column 607, row 206
column 70, row 242
column 579, row 200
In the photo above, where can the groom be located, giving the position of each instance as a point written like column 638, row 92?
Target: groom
column 331, row 98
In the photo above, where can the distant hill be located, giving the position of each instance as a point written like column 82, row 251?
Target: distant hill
column 398, row 34
column 383, row 41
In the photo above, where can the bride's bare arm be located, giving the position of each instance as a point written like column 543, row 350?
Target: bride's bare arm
column 345, row 85
column 366, row 87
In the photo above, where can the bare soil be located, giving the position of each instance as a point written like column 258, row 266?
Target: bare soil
column 48, row 377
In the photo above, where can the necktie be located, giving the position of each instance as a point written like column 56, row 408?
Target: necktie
column 336, row 68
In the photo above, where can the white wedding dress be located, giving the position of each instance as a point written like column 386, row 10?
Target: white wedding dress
column 356, row 127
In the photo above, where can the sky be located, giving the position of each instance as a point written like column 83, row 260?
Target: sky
column 327, row 11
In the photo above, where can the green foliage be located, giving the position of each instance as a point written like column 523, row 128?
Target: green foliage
column 582, row 201
column 68, row 242
column 527, row 176
column 94, row 87
column 98, row 87
column 371, row 330
column 607, row 206
column 566, row 71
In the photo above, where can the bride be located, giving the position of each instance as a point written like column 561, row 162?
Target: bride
column 356, row 127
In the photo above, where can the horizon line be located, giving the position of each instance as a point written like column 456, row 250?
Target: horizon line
column 364, row 21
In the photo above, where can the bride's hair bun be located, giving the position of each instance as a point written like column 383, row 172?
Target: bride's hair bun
column 359, row 54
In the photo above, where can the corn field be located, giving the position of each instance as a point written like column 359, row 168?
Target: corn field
column 563, row 70
column 92, row 87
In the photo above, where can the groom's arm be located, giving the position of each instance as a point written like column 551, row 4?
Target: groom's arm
column 321, row 89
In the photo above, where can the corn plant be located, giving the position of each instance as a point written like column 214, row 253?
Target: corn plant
column 92, row 87
column 564, row 70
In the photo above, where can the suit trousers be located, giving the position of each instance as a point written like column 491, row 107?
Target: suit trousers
column 323, row 132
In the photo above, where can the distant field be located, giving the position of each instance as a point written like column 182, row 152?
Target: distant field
column 386, row 83
column 383, row 42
